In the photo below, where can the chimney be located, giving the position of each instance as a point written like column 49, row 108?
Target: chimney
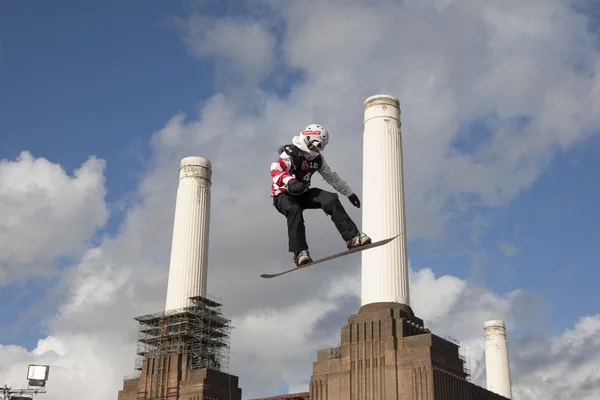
column 384, row 269
column 496, row 358
column 189, row 247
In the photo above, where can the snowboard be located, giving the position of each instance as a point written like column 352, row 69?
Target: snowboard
column 331, row 257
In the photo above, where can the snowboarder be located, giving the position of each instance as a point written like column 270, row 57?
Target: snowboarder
column 292, row 194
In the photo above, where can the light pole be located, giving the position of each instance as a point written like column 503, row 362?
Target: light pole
column 37, row 375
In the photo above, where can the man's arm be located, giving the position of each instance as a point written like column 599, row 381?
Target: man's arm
column 338, row 183
column 280, row 170
column 280, row 173
column 334, row 179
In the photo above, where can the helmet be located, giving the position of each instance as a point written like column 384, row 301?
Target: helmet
column 316, row 137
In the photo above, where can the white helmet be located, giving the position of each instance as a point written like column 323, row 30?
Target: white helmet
column 315, row 137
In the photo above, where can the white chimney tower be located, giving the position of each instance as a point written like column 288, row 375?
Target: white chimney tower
column 496, row 358
column 384, row 269
column 189, row 248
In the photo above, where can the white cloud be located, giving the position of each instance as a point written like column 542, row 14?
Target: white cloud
column 446, row 79
column 561, row 368
column 244, row 49
column 448, row 62
column 75, row 361
column 46, row 213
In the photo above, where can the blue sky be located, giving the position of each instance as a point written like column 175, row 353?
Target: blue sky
column 80, row 79
column 100, row 78
column 90, row 79
column 553, row 226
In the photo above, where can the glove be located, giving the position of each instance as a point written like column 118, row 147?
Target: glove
column 295, row 186
column 354, row 200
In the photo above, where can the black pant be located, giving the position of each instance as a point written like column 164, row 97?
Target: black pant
column 293, row 206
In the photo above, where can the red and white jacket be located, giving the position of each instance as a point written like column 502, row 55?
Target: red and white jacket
column 291, row 163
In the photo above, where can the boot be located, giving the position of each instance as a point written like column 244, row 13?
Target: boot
column 358, row 240
column 302, row 257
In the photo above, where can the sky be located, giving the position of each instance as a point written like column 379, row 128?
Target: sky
column 99, row 102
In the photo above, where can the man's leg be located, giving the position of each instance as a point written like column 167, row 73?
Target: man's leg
column 330, row 203
column 290, row 207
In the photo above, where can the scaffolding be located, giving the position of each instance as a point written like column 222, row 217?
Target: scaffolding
column 462, row 354
column 200, row 331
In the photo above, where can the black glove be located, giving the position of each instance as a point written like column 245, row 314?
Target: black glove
column 354, row 200
column 295, row 186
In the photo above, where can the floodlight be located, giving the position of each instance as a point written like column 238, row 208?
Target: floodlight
column 38, row 374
